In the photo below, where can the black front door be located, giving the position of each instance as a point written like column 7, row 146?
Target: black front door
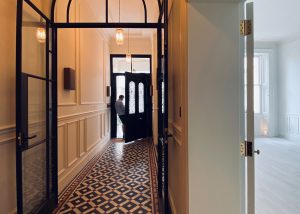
column 36, row 161
column 138, row 106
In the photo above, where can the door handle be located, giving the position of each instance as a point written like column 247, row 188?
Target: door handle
column 257, row 152
column 31, row 137
column 21, row 139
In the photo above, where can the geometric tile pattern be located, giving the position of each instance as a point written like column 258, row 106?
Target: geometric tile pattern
column 122, row 180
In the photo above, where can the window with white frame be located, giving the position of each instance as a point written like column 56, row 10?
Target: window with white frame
column 260, row 83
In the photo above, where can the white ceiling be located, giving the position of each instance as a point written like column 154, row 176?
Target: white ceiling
column 276, row 20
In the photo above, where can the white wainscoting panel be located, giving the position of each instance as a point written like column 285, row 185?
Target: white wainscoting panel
column 7, row 166
column 80, row 137
column 62, row 148
column 73, row 141
column 292, row 127
column 93, row 130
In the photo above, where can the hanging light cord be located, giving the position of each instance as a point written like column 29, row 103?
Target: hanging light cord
column 119, row 11
column 128, row 42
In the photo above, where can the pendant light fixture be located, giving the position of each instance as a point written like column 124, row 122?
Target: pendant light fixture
column 128, row 55
column 41, row 32
column 41, row 35
column 119, row 31
column 119, row 36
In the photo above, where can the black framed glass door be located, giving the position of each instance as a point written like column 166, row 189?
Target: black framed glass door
column 35, row 149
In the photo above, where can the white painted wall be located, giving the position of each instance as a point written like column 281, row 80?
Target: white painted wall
column 270, row 26
column 136, row 46
column 289, row 88
column 83, row 115
column 215, row 108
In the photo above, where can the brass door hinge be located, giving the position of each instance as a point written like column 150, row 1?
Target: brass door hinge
column 246, row 27
column 246, row 148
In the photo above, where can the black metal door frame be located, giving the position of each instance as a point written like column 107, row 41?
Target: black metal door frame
column 22, row 137
column 161, row 25
column 163, row 135
column 113, row 77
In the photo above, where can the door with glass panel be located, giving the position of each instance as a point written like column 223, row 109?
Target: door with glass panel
column 35, row 154
column 138, row 64
column 137, row 107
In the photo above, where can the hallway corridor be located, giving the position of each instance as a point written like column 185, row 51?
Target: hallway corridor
column 120, row 180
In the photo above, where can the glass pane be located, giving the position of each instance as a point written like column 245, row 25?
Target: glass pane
column 119, row 128
column 120, row 65
column 120, row 81
column 131, row 97
column 141, row 97
column 265, row 99
column 257, row 99
column 257, row 70
column 141, row 65
column 36, row 110
column 33, row 43
column 34, row 178
column 120, row 88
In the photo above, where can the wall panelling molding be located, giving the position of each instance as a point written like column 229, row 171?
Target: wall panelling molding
column 79, row 136
column 7, row 134
column 66, row 54
column 291, row 129
column 91, row 74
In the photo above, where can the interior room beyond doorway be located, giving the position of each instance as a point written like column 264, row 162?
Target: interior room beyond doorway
column 277, row 107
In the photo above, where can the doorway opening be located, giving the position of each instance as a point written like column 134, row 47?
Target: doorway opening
column 275, row 123
column 48, row 34
column 139, row 64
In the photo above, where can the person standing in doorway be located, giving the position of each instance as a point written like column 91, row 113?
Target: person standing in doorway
column 120, row 109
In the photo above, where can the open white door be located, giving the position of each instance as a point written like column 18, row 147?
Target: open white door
column 249, row 142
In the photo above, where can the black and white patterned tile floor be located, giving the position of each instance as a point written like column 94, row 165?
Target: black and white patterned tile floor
column 119, row 181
